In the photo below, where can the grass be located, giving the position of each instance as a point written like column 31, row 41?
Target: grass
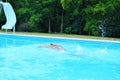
column 65, row 35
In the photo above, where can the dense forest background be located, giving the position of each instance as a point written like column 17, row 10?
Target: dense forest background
column 83, row 17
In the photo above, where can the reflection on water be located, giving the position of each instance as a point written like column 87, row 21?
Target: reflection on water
column 104, row 51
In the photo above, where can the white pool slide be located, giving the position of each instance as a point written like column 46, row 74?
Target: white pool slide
column 10, row 16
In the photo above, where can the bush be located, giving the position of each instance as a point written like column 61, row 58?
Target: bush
column 25, row 27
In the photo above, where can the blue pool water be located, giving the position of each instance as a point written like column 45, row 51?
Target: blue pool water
column 21, row 59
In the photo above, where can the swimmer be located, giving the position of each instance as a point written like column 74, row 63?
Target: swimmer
column 54, row 46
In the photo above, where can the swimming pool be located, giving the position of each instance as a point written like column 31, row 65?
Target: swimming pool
column 21, row 59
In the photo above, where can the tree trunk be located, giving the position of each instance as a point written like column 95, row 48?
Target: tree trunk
column 0, row 8
column 49, row 26
column 61, row 22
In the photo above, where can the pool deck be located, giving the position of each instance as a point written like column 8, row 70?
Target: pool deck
column 71, row 36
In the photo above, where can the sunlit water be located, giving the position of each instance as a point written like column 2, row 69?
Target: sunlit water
column 21, row 59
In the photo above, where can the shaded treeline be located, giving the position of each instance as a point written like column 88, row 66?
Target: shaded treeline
column 84, row 17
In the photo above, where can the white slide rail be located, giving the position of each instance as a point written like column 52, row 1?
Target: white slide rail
column 10, row 16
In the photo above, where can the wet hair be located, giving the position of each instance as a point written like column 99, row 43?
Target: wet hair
column 51, row 43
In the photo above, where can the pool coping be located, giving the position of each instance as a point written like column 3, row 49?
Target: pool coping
column 60, row 37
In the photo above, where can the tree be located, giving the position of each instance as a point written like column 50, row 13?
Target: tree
column 73, row 15
column 69, row 16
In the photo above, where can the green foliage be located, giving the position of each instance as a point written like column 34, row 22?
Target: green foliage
column 71, row 16
column 25, row 27
column 68, row 30
column 65, row 3
column 35, row 19
column 23, row 14
column 91, row 27
column 75, row 12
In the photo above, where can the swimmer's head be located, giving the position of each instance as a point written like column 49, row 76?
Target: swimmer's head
column 51, row 44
